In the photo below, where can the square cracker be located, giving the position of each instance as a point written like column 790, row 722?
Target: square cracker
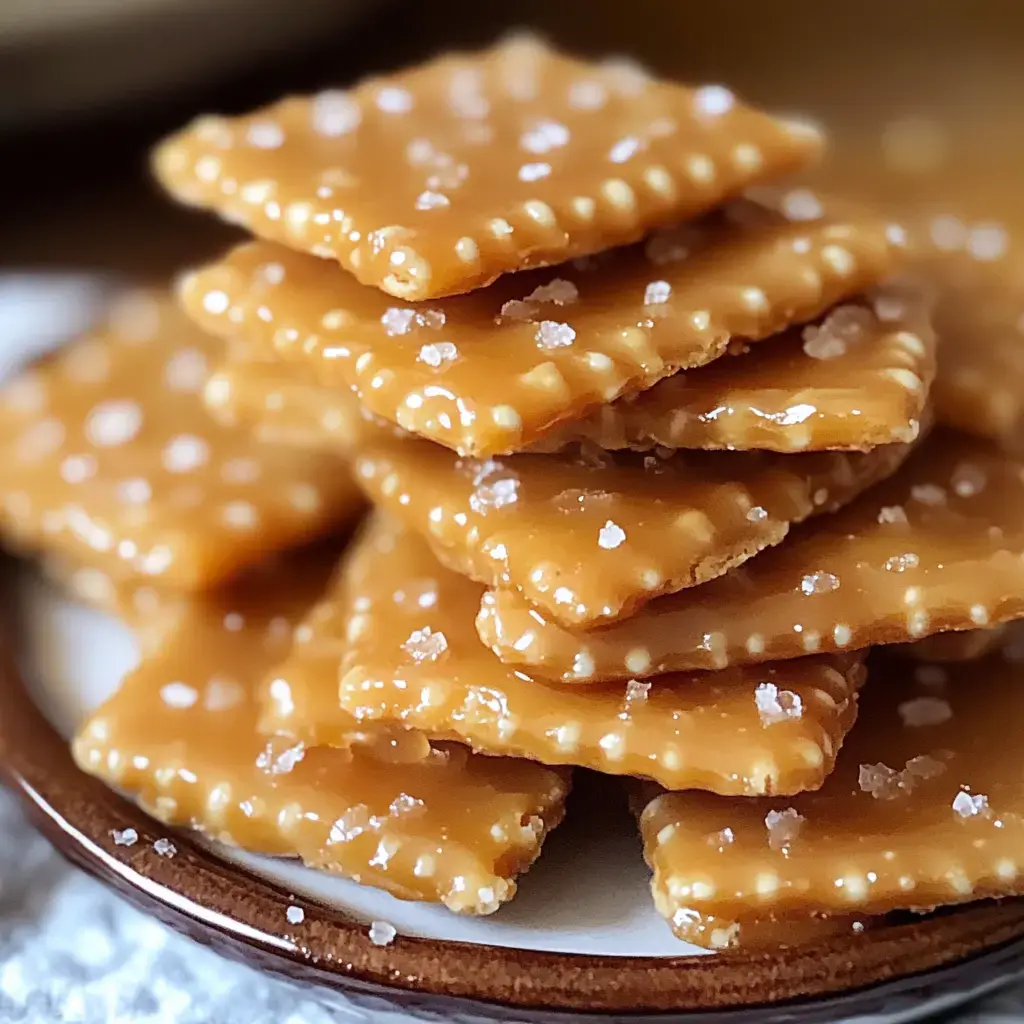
column 925, row 808
column 938, row 547
column 437, row 179
column 180, row 736
column 111, row 460
column 396, row 629
column 589, row 537
column 495, row 371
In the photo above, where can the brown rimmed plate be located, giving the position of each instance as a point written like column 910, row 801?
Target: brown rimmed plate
column 898, row 972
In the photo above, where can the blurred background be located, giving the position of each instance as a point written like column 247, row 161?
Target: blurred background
column 923, row 97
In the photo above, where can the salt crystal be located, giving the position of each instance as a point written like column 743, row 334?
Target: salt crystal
column 901, row 563
column 657, row 292
column 559, row 291
column 928, row 494
column 437, row 353
column 113, row 423
column 881, row 781
column 987, row 241
column 406, row 805
column 382, row 933
column 428, row 200
column 783, row 827
column 713, row 100
column 424, row 645
column 610, row 536
column 624, row 149
column 968, row 806
column 335, row 113
column 968, row 480
column 819, row 583
column 775, row 705
column 280, row 755
column 125, row 837
column 756, row 514
column 892, row 514
column 636, row 690
column 353, row 823
column 179, row 695
column 925, row 711
column 726, row 837
column 494, row 495
column 949, row 233
column 543, row 136
column 924, row 766
column 295, row 915
column 397, row 321
column 165, row 848
column 551, row 334
column 842, row 327
column 534, row 172
column 517, row 309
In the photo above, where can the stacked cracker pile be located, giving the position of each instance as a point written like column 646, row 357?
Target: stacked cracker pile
column 647, row 452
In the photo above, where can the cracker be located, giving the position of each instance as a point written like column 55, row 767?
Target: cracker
column 111, row 461
column 924, row 809
column 497, row 370
column 590, row 537
column 851, row 381
column 939, row 547
column 180, row 736
column 397, row 630
column 437, row 179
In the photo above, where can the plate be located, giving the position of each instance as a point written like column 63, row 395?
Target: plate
column 581, row 939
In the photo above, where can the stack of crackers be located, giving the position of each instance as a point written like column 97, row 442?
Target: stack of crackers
column 653, row 466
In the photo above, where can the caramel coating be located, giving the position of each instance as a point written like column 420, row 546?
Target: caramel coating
column 110, row 459
column 283, row 403
column 938, row 547
column 925, row 808
column 180, row 736
column 438, row 179
column 589, row 538
column 495, row 371
column 396, row 628
column 851, row 381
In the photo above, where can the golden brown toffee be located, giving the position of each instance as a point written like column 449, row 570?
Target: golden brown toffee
column 397, row 630
column 938, row 547
column 857, row 378
column 965, row 646
column 437, row 179
column 925, row 808
column 589, row 537
column 110, row 459
column 181, row 736
column 495, row 370
column 283, row 403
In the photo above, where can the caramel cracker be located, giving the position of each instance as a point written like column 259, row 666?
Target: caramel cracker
column 851, row 381
column 925, row 808
column 397, row 630
column 938, row 547
column 589, row 538
column 110, row 460
column 438, row 179
column 283, row 403
column 180, row 736
column 497, row 370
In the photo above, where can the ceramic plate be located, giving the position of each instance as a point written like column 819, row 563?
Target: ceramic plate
column 581, row 938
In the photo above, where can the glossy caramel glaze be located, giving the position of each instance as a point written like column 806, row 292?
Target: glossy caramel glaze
column 110, row 459
column 494, row 371
column 437, row 179
column 925, row 808
column 938, row 547
column 857, row 378
column 180, row 735
column 396, row 629
column 589, row 537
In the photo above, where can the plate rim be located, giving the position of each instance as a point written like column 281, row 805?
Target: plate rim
column 220, row 904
